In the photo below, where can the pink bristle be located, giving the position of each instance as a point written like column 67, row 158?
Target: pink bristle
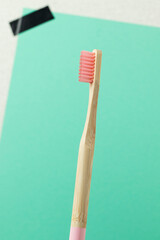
column 87, row 65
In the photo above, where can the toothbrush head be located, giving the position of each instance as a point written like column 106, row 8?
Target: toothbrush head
column 87, row 66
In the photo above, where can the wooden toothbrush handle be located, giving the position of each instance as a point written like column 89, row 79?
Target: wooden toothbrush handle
column 85, row 159
column 86, row 152
column 82, row 185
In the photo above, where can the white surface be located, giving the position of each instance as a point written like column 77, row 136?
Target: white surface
column 146, row 12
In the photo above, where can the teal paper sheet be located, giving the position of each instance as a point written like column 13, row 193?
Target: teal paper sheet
column 43, row 124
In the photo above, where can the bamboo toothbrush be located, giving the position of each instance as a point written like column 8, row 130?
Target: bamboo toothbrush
column 90, row 67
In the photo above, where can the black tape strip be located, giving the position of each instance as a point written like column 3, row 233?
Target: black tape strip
column 31, row 20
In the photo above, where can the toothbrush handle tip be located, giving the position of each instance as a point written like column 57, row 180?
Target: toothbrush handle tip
column 77, row 233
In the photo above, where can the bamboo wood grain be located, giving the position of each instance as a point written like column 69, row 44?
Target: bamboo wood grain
column 86, row 152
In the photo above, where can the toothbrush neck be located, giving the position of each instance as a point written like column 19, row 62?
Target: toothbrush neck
column 90, row 125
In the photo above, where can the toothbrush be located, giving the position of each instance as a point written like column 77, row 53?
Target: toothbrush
column 90, row 67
